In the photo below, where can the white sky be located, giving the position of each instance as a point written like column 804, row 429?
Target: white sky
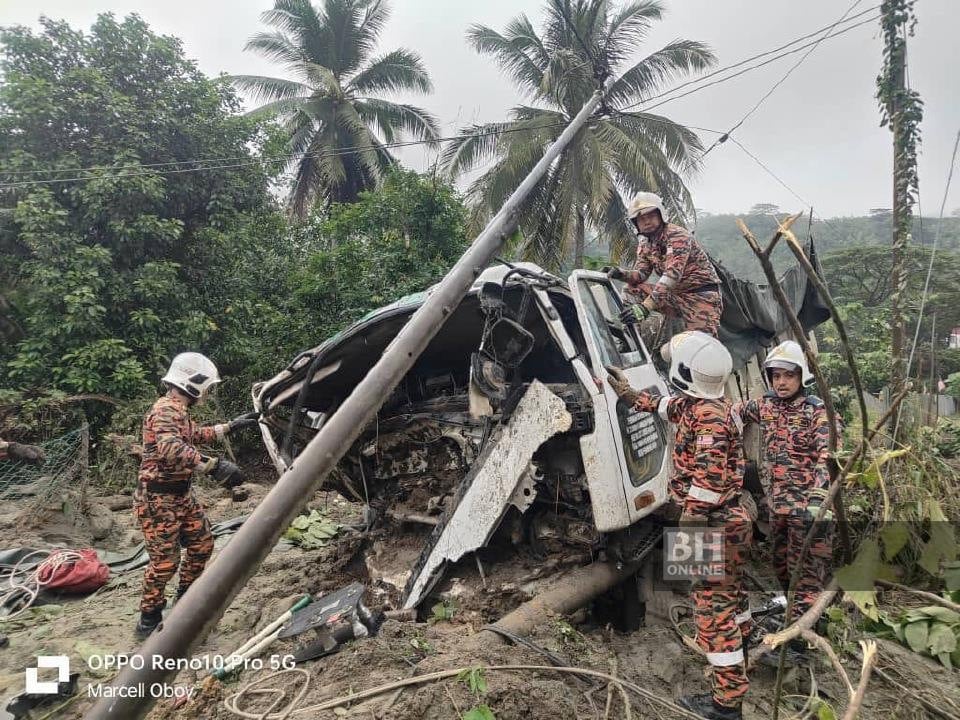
column 819, row 132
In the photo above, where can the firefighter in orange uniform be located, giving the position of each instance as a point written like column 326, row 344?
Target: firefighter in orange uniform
column 166, row 508
column 708, row 476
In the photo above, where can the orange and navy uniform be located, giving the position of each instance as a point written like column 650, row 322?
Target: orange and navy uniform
column 708, row 464
column 688, row 285
column 166, row 508
column 795, row 438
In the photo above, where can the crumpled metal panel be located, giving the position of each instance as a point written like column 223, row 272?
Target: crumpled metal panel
column 491, row 486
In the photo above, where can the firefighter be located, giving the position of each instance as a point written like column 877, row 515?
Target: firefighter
column 795, row 433
column 30, row 454
column 708, row 475
column 688, row 285
column 165, row 506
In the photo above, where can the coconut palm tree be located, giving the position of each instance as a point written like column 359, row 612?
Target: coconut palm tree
column 582, row 43
column 338, row 125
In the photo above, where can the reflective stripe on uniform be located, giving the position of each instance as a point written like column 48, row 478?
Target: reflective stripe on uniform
column 704, row 495
column 725, row 659
column 667, row 282
column 662, row 407
column 743, row 617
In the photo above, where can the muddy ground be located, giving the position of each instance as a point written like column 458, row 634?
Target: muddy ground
column 653, row 657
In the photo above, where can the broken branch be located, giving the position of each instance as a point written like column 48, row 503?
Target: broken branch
column 931, row 597
column 869, row 660
column 805, row 621
column 821, row 644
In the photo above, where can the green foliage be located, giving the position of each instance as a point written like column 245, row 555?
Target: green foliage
column 443, row 611
column 390, row 243
column 558, row 68
column 106, row 278
column 475, row 679
column 480, row 712
column 311, row 531
column 334, row 103
column 932, row 631
column 422, row 645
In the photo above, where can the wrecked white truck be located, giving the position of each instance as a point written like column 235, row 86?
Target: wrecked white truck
column 503, row 427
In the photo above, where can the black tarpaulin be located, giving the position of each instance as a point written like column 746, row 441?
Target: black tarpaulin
column 752, row 318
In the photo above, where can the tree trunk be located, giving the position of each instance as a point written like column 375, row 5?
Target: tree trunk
column 901, row 221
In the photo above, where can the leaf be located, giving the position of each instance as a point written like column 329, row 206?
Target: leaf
column 916, row 635
column 825, row 712
column 300, row 522
column 944, row 658
column 951, row 576
column 944, row 615
column 480, row 712
column 857, row 579
column 942, row 544
column 894, row 536
column 941, row 639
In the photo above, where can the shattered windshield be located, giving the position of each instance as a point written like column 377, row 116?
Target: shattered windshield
column 614, row 343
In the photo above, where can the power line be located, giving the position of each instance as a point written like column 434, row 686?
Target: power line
column 750, row 59
column 217, row 163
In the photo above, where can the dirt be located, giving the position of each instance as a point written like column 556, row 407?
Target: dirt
column 653, row 657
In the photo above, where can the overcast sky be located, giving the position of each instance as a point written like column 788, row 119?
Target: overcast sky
column 819, row 132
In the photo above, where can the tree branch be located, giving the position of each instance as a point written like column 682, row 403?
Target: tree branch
column 869, row 660
column 821, row 644
column 931, row 597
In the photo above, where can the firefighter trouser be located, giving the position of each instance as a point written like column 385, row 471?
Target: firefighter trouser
column 722, row 614
column 169, row 522
column 697, row 309
column 787, row 533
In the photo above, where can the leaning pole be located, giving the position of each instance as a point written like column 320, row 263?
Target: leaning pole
column 201, row 608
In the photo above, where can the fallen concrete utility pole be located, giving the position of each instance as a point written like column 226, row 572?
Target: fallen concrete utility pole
column 573, row 591
column 198, row 612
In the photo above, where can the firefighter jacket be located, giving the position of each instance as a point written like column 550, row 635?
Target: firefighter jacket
column 795, row 437
column 169, row 436
column 679, row 260
column 707, row 452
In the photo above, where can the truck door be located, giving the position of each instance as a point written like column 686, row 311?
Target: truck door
column 625, row 458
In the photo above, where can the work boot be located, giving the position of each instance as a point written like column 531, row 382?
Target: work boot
column 706, row 707
column 148, row 623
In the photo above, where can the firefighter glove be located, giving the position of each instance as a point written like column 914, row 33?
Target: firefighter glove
column 27, row 453
column 634, row 313
column 616, row 273
column 243, row 421
column 621, row 385
column 226, row 473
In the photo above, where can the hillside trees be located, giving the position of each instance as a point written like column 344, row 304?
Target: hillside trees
column 118, row 246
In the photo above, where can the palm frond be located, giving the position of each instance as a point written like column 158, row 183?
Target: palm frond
column 511, row 55
column 675, row 59
column 276, row 47
column 391, row 118
column 397, row 70
column 628, row 27
column 268, row 89
column 680, row 144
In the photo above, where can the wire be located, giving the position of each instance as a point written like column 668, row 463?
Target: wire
column 226, row 163
column 933, row 254
column 750, row 59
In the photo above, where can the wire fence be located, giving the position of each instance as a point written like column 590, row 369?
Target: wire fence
column 66, row 464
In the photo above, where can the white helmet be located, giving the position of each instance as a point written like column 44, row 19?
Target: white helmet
column 699, row 364
column 646, row 201
column 788, row 355
column 193, row 373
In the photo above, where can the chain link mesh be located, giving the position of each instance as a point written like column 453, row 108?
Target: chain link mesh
column 67, row 459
